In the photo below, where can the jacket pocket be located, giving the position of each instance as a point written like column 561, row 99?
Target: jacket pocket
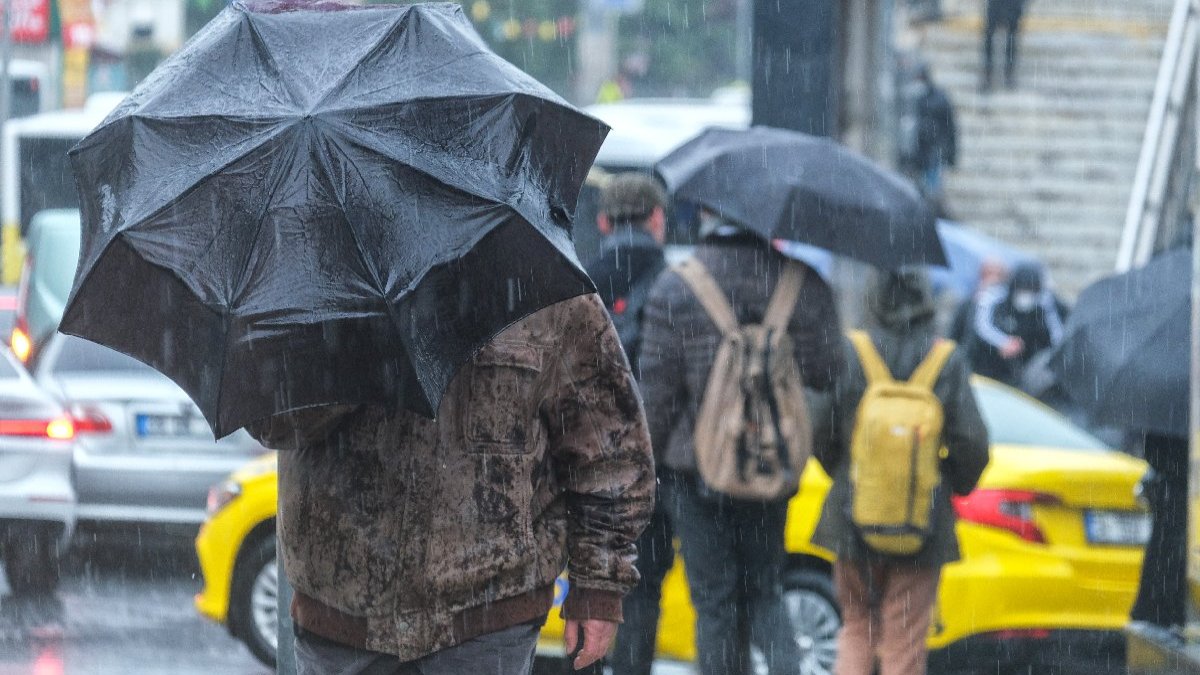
column 500, row 414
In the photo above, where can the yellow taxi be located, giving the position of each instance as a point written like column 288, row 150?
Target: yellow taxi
column 1051, row 539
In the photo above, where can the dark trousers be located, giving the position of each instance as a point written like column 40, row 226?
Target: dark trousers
column 505, row 652
column 734, row 555
column 1001, row 16
column 633, row 653
column 1162, row 593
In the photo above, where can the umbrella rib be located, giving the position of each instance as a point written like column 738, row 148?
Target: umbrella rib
column 424, row 172
column 390, row 85
column 261, row 45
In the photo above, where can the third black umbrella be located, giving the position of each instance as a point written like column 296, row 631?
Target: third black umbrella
column 1127, row 347
column 789, row 185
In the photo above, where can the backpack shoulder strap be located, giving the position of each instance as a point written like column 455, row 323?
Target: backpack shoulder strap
column 783, row 300
column 706, row 290
column 872, row 363
column 926, row 375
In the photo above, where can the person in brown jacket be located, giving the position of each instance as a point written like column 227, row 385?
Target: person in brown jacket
column 432, row 547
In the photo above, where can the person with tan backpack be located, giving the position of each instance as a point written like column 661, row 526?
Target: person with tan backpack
column 730, row 341
column 906, row 434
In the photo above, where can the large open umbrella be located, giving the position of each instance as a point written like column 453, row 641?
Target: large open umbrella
column 789, row 185
column 1127, row 347
column 305, row 207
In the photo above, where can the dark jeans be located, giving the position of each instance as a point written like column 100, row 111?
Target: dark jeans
column 633, row 653
column 734, row 555
column 1162, row 593
column 506, row 652
column 1008, row 19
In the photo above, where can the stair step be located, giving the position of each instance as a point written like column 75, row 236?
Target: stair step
column 1049, row 166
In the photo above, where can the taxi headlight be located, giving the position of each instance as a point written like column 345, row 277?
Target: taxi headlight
column 220, row 496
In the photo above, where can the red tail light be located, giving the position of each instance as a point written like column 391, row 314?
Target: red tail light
column 88, row 420
column 58, row 428
column 1010, row 510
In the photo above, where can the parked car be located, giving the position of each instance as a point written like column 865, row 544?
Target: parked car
column 37, row 501
column 51, row 257
column 1052, row 545
column 236, row 548
column 144, row 453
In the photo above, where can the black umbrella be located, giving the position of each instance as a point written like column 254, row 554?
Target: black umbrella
column 1128, row 345
column 306, row 207
column 789, row 185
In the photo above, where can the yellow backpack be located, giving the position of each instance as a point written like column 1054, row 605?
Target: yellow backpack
column 895, row 451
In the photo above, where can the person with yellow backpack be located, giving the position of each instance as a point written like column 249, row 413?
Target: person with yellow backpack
column 906, row 434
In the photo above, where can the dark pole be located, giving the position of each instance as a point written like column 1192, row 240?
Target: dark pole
column 795, row 59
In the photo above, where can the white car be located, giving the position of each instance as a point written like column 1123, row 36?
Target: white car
column 37, row 500
column 144, row 453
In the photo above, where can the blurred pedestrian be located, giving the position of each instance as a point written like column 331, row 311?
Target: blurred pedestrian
column 886, row 576
column 633, row 219
column 937, row 138
column 1013, row 324
column 1163, row 589
column 434, row 545
column 733, row 547
column 1002, row 15
column 992, row 274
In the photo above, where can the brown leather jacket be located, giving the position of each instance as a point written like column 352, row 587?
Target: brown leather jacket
column 406, row 535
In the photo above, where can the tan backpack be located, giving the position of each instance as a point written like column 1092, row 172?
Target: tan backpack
column 753, row 434
column 895, row 451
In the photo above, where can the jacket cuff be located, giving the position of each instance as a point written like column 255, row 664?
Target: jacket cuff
column 582, row 604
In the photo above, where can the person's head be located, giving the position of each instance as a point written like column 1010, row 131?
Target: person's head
column 992, row 271
column 633, row 199
column 1025, row 288
column 922, row 73
column 901, row 299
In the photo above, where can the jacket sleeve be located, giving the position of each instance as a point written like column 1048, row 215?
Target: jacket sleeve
column 964, row 432
column 819, row 344
column 662, row 364
column 985, row 318
column 831, row 442
column 601, row 453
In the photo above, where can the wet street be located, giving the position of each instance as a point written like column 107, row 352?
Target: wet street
column 122, row 608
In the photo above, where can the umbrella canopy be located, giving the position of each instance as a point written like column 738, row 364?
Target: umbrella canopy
column 966, row 251
column 1128, row 344
column 789, row 185
column 305, row 207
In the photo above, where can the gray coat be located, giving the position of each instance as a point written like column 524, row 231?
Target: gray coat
column 903, row 347
column 679, row 341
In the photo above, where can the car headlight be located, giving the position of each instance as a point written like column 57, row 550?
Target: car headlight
column 220, row 495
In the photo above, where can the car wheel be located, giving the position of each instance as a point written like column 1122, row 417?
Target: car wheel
column 31, row 563
column 813, row 609
column 253, row 607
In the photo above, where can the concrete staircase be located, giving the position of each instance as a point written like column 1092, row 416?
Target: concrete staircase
column 1049, row 166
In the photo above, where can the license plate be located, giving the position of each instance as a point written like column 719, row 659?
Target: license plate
column 171, row 426
column 1117, row 528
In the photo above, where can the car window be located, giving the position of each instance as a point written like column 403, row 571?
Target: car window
column 57, row 256
column 80, row 356
column 1014, row 420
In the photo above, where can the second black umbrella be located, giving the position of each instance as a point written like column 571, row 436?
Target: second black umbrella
column 789, row 185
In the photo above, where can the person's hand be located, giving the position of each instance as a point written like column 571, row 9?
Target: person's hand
column 1012, row 348
column 597, row 638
